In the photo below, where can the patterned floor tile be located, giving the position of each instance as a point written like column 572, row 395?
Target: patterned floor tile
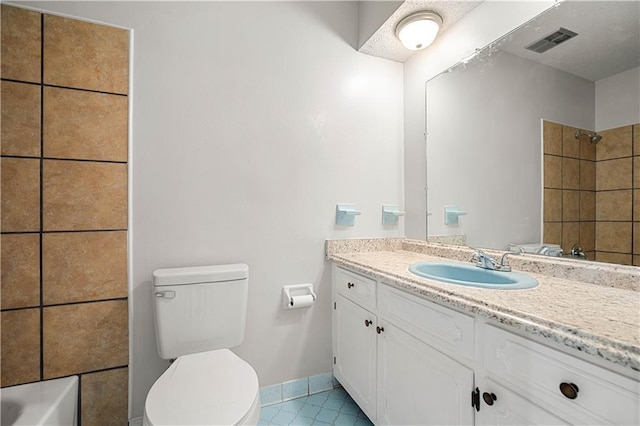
column 334, row 407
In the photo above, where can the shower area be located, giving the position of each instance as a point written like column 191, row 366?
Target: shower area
column 592, row 191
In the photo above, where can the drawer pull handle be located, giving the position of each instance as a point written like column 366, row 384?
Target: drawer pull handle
column 349, row 285
column 569, row 390
column 379, row 329
column 368, row 323
column 489, row 398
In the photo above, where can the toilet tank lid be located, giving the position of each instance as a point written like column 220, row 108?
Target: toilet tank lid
column 200, row 274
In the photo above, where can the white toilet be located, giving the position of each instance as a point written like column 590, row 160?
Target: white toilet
column 199, row 313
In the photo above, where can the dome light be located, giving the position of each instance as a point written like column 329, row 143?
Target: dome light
column 418, row 30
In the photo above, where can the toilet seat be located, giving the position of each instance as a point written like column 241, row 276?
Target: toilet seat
column 207, row 388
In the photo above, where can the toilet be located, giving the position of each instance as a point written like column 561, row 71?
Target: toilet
column 200, row 312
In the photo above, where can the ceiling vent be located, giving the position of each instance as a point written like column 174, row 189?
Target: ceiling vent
column 551, row 41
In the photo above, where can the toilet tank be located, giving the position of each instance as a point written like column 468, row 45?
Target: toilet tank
column 200, row 308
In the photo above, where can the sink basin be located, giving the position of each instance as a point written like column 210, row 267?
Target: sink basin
column 470, row 275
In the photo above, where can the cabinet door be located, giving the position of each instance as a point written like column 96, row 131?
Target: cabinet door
column 510, row 409
column 355, row 353
column 418, row 385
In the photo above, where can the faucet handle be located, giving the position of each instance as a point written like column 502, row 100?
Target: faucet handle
column 477, row 255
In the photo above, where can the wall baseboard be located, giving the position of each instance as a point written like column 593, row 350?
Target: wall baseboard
column 298, row 388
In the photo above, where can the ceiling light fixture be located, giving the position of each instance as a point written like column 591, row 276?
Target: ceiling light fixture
column 418, row 30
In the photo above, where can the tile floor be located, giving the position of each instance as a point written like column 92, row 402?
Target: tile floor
column 333, row 407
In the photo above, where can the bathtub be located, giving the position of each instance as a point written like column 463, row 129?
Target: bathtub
column 52, row 402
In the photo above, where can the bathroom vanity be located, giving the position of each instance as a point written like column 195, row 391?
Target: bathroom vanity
column 416, row 351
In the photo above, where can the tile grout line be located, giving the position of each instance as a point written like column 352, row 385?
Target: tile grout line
column 41, row 196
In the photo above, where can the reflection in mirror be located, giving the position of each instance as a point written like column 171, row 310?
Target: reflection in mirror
column 542, row 150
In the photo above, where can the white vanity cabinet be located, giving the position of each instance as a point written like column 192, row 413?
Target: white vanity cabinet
column 355, row 337
column 419, row 385
column 406, row 360
column 509, row 408
column 354, row 352
column 569, row 387
column 386, row 366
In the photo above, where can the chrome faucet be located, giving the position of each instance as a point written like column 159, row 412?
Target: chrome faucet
column 577, row 252
column 483, row 260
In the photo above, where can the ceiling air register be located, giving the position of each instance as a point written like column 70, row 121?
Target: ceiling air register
column 551, row 41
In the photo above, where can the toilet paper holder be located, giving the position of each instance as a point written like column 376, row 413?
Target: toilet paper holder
column 298, row 296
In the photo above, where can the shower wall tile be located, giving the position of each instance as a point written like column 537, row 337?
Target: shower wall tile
column 85, row 337
column 552, row 137
column 636, row 238
column 588, row 236
column 20, row 347
column 552, row 171
column 79, row 323
column 570, row 206
column 104, row 398
column 84, row 55
column 552, row 205
column 615, row 143
column 20, row 119
column 613, row 237
column 636, row 139
column 587, row 175
column 570, row 235
column 20, row 44
column 84, row 125
column 83, row 266
column 570, row 173
column 614, row 205
column 570, row 145
column 552, row 232
column 20, row 194
column 587, row 149
column 636, row 260
column 587, row 205
column 614, row 174
column 84, row 195
column 636, row 205
column 636, row 171
column 619, row 258
column 20, row 286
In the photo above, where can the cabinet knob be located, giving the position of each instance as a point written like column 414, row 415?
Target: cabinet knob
column 569, row 390
column 489, row 398
column 368, row 323
column 379, row 329
column 349, row 285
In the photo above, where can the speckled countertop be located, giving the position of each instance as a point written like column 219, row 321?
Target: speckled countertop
column 597, row 316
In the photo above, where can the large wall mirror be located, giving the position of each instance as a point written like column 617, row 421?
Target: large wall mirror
column 535, row 141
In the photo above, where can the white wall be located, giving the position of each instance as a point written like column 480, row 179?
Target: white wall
column 250, row 122
column 484, row 24
column 618, row 100
column 484, row 144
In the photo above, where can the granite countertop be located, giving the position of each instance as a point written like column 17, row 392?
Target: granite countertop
column 595, row 319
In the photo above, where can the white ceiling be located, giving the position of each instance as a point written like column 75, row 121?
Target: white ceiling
column 383, row 43
column 608, row 40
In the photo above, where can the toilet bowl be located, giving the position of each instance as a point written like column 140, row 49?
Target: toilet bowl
column 207, row 388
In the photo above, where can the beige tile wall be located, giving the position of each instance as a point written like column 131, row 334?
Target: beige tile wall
column 569, row 188
column 592, row 192
column 64, row 208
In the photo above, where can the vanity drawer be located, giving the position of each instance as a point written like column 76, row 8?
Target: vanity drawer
column 602, row 396
column 355, row 287
column 442, row 328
